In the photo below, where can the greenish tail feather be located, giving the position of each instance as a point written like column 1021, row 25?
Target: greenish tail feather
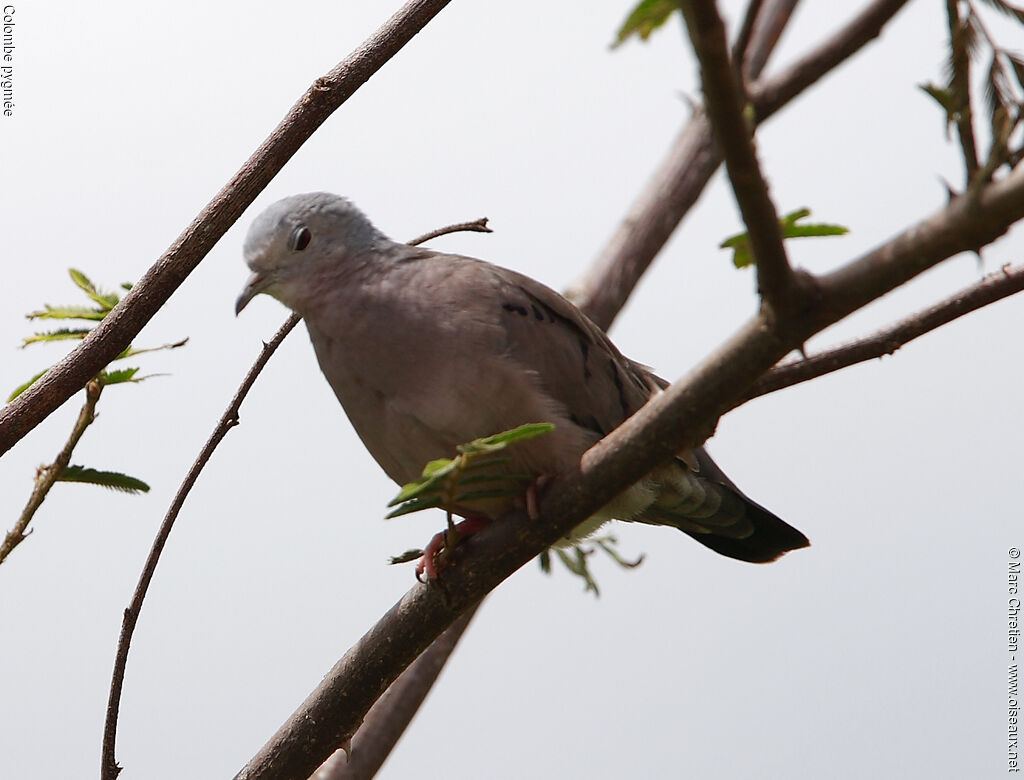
column 730, row 524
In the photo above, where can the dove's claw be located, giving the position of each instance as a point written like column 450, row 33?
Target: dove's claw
column 427, row 568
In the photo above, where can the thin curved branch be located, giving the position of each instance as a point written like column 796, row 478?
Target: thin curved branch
column 678, row 418
column 724, row 103
column 690, row 163
column 998, row 285
column 109, row 768
column 116, row 331
column 391, row 714
column 47, row 476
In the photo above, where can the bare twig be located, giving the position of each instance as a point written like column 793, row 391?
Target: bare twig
column 769, row 26
column 476, row 226
column 996, row 286
column 109, row 768
column 691, row 161
column 115, row 332
column 391, row 714
column 724, row 104
column 47, row 476
column 680, row 417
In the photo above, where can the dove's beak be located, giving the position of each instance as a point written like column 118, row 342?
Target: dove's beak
column 253, row 287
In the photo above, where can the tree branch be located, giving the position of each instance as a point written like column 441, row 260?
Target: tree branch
column 116, row 331
column 1003, row 283
column 690, row 163
column 724, row 104
column 768, row 28
column 47, row 476
column 108, row 767
column 391, row 714
column 678, row 418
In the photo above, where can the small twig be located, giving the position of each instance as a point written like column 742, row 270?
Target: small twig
column 960, row 81
column 1003, row 283
column 476, row 226
column 770, row 24
column 742, row 42
column 724, row 104
column 47, row 476
column 109, row 768
column 388, row 718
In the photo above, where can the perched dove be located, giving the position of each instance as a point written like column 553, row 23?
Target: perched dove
column 426, row 351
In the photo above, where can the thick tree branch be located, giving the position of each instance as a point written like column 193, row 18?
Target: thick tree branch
column 724, row 103
column 1003, row 283
column 114, row 333
column 692, row 160
column 678, row 418
column 391, row 714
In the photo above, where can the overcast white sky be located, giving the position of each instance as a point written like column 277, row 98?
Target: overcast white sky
column 880, row 651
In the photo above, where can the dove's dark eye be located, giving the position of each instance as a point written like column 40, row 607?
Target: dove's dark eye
column 300, row 238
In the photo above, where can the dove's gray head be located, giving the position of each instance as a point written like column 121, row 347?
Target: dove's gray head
column 301, row 240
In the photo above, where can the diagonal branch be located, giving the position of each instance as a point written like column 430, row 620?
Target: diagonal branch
column 115, row 332
column 1003, row 283
column 678, row 418
column 391, row 714
column 690, row 163
column 724, row 104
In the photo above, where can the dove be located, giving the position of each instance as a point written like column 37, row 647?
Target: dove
column 426, row 351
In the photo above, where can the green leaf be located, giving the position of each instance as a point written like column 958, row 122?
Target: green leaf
column 577, row 564
column 114, row 480
column 22, row 388
column 438, row 485
column 644, row 19
column 62, row 334
column 120, row 376
column 67, row 313
column 789, row 225
column 408, row 555
column 106, row 300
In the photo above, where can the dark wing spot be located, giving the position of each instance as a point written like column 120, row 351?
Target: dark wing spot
column 514, row 307
column 619, row 386
column 585, row 352
column 590, row 424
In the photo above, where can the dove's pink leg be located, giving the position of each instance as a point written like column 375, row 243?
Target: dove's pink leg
column 427, row 566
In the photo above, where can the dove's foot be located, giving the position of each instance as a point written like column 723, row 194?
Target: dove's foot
column 426, row 569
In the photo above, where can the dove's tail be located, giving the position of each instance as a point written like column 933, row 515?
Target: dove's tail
column 711, row 509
